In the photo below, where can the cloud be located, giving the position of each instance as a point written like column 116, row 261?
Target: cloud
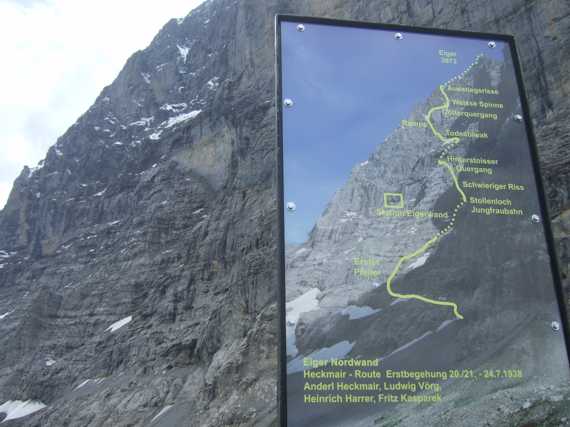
column 57, row 57
column 26, row 3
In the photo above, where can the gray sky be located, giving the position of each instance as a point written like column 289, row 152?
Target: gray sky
column 57, row 55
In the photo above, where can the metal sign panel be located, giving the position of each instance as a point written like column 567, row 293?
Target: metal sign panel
column 419, row 281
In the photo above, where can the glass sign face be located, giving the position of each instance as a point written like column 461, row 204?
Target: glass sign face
column 418, row 284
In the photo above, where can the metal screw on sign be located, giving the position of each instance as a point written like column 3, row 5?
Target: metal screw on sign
column 288, row 102
column 535, row 218
column 555, row 326
column 518, row 118
column 492, row 44
column 300, row 28
column 291, row 206
column 398, row 36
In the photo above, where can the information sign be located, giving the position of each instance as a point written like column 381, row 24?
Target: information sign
column 419, row 281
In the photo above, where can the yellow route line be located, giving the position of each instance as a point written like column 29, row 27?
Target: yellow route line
column 444, row 163
column 424, row 248
column 443, row 106
column 416, row 296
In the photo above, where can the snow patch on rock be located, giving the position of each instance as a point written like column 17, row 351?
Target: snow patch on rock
column 182, row 118
column 155, row 136
column 146, row 77
column 358, row 312
column 144, row 121
column 3, row 316
column 162, row 412
column 409, row 344
column 100, row 193
column 419, row 262
column 119, row 324
column 213, row 83
column 15, row 409
column 183, row 50
column 175, row 108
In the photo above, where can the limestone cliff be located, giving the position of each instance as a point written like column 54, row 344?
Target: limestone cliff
column 156, row 209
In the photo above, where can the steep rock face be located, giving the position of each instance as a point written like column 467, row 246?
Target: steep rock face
column 158, row 205
column 349, row 227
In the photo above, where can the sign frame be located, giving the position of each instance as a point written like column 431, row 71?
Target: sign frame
column 544, row 211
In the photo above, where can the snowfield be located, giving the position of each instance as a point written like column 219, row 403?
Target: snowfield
column 306, row 302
